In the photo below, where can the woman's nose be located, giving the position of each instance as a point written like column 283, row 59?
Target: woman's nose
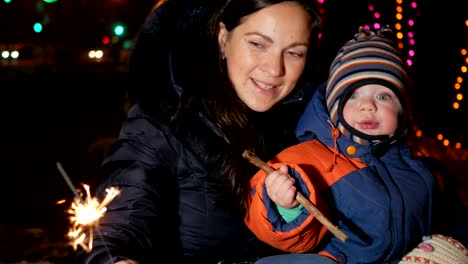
column 273, row 65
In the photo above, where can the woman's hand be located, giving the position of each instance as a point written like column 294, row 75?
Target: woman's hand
column 280, row 188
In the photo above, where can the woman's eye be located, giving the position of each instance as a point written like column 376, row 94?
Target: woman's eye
column 256, row 44
column 296, row 54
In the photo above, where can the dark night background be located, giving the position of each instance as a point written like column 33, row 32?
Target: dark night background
column 59, row 106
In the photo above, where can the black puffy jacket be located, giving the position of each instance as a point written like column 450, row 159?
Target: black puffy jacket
column 170, row 207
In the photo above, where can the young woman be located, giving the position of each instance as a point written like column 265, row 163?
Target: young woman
column 208, row 82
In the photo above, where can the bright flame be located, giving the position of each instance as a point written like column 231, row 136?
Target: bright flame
column 85, row 213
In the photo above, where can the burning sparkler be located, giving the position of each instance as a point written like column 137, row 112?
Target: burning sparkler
column 85, row 213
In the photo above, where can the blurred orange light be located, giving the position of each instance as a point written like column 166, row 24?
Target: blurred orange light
column 446, row 142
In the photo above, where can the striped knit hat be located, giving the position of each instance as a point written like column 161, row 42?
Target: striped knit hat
column 368, row 58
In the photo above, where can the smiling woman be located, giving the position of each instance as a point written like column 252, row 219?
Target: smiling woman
column 267, row 53
column 209, row 80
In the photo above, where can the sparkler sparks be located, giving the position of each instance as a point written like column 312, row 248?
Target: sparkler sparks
column 85, row 213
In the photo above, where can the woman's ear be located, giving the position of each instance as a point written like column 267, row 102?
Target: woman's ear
column 222, row 38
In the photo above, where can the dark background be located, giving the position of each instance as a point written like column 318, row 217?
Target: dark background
column 59, row 106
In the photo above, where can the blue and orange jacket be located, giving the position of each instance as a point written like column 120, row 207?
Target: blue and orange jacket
column 382, row 201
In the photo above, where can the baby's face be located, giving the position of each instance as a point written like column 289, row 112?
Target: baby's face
column 373, row 109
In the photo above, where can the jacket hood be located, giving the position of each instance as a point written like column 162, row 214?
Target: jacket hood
column 369, row 58
column 315, row 122
column 170, row 40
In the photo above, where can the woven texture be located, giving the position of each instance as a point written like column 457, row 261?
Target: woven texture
column 438, row 249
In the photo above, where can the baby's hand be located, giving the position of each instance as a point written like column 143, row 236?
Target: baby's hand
column 280, row 188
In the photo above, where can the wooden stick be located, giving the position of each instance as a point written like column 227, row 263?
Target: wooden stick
column 299, row 197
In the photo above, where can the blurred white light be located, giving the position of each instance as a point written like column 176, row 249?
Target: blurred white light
column 92, row 54
column 5, row 54
column 99, row 54
column 14, row 54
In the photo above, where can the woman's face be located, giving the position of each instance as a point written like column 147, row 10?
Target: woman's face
column 266, row 54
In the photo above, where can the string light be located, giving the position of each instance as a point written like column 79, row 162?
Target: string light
column 406, row 14
column 459, row 78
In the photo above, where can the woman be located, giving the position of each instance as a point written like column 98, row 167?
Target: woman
column 201, row 98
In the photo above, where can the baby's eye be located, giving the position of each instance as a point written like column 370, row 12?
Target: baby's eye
column 353, row 96
column 383, row 96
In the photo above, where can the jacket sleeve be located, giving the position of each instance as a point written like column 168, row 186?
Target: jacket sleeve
column 142, row 217
column 300, row 235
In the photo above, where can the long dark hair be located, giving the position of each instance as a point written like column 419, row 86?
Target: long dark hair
column 238, row 125
column 187, row 31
